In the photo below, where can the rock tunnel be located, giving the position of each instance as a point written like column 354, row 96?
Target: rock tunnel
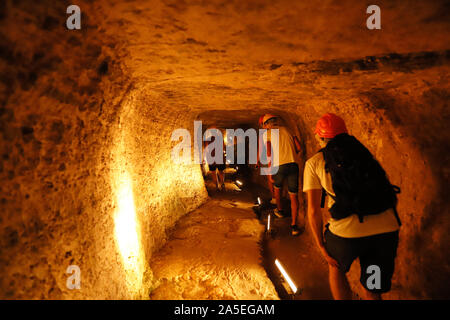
column 86, row 118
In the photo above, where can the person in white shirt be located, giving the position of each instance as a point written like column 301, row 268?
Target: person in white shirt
column 261, row 151
column 374, row 240
column 216, row 169
column 285, row 165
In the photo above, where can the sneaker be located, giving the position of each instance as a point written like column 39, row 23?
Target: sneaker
column 278, row 213
column 295, row 231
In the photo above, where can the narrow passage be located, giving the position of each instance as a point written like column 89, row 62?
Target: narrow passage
column 221, row 251
column 214, row 253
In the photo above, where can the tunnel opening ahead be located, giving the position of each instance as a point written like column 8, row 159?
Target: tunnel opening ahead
column 245, row 181
column 87, row 120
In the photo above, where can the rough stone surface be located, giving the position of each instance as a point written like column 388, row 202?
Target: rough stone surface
column 78, row 108
column 214, row 253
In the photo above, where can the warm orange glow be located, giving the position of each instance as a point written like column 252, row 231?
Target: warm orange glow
column 127, row 233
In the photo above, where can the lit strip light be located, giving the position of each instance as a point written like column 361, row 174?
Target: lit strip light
column 268, row 222
column 239, row 182
column 259, row 200
column 286, row 276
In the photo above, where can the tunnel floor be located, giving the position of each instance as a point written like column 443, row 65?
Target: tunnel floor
column 214, row 253
column 220, row 251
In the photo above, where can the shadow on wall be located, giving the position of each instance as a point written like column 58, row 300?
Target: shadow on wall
column 421, row 157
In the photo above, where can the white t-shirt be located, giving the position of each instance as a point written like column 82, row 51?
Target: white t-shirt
column 285, row 145
column 315, row 177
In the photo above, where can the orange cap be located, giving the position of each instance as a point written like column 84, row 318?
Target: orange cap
column 268, row 116
column 260, row 121
column 330, row 125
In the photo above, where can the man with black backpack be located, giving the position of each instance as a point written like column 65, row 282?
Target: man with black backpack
column 364, row 222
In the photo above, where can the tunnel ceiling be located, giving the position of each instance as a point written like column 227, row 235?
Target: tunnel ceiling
column 236, row 55
column 229, row 119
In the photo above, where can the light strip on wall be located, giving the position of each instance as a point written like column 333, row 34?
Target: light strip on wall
column 126, row 230
column 286, row 276
column 268, row 222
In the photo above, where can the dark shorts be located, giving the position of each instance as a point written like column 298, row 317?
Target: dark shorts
column 287, row 171
column 379, row 250
column 213, row 167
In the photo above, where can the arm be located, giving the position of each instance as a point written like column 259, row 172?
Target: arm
column 260, row 150
column 316, row 223
column 269, row 156
column 269, row 152
column 297, row 145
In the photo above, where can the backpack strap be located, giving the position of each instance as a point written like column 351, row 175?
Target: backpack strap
column 397, row 217
column 361, row 218
column 322, row 199
column 324, row 193
column 397, row 190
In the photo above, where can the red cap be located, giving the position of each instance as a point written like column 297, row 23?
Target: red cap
column 267, row 117
column 260, row 121
column 330, row 125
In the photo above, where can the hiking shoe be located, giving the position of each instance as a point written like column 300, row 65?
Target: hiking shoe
column 278, row 213
column 295, row 231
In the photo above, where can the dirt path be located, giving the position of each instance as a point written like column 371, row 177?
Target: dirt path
column 300, row 258
column 214, row 253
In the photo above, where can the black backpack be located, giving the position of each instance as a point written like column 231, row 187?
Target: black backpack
column 359, row 182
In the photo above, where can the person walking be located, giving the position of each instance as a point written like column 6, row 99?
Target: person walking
column 216, row 169
column 261, row 151
column 285, row 165
column 364, row 222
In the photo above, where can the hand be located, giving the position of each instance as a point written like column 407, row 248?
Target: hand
column 329, row 259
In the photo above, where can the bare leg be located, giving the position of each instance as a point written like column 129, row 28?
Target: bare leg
column 339, row 284
column 215, row 178
column 270, row 184
column 294, row 207
column 277, row 192
column 222, row 178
